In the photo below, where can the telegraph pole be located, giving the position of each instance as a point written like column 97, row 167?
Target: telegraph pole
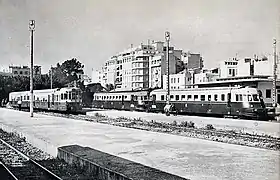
column 31, row 29
column 167, row 38
column 274, row 74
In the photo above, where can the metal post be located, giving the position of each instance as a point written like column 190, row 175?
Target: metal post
column 167, row 38
column 32, row 29
column 51, row 78
column 274, row 74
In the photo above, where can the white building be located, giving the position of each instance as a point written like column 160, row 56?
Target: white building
column 178, row 81
column 228, row 68
column 206, row 75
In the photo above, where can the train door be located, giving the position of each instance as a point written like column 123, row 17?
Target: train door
column 122, row 101
column 229, row 103
column 278, row 96
column 49, row 101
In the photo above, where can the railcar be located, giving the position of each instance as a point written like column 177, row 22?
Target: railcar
column 242, row 102
column 60, row 99
column 122, row 100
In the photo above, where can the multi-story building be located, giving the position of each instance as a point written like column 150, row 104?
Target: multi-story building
column 24, row 70
column 228, row 68
column 158, row 64
column 206, row 75
column 178, row 81
column 129, row 69
column 192, row 60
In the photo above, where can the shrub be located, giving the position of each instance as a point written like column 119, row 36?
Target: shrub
column 209, row 127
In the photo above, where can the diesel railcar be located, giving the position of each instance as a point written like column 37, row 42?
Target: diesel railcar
column 60, row 99
column 242, row 102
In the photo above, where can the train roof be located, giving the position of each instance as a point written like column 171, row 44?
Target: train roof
column 47, row 90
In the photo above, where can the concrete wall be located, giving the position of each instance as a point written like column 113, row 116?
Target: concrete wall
column 95, row 169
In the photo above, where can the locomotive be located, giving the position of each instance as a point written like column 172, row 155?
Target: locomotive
column 241, row 102
column 59, row 99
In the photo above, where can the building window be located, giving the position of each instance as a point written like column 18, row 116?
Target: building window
column 268, row 93
column 15, row 72
column 178, row 81
column 20, row 72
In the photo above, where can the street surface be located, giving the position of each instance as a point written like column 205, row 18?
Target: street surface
column 187, row 157
column 250, row 126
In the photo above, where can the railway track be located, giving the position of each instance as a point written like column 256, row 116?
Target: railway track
column 20, row 166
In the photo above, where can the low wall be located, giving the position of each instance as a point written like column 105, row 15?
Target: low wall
column 95, row 169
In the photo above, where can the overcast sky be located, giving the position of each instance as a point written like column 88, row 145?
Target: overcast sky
column 94, row 30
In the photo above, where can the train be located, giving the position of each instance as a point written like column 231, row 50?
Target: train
column 66, row 99
column 239, row 102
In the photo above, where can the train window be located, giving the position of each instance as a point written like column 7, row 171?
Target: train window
column 240, row 97
column 223, row 97
column 107, row 97
column 255, row 97
column 177, row 97
column 171, row 96
column 202, row 97
column 65, row 96
column 195, row 97
column 120, row 97
column 189, row 97
column 162, row 97
column 24, row 97
column 209, row 97
column 250, row 98
column 183, row 97
column 268, row 93
column 27, row 97
column 245, row 97
column 215, row 97
column 61, row 96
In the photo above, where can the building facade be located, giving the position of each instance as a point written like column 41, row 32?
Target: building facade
column 24, row 71
column 228, row 68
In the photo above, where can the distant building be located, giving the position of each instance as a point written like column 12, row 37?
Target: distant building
column 178, row 81
column 192, row 60
column 228, row 68
column 24, row 70
column 158, row 64
column 206, row 75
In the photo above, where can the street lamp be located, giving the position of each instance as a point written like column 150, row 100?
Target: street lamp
column 274, row 74
column 31, row 29
column 167, row 38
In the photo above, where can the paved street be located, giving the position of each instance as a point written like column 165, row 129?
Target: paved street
column 187, row 157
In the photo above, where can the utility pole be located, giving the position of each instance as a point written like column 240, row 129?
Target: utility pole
column 274, row 74
column 167, row 38
column 51, row 78
column 31, row 29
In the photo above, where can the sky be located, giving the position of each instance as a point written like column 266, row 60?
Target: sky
column 94, row 30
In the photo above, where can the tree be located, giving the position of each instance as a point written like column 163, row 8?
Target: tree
column 110, row 87
column 67, row 73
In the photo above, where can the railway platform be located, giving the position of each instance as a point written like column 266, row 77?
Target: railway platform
column 249, row 126
column 190, row 158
